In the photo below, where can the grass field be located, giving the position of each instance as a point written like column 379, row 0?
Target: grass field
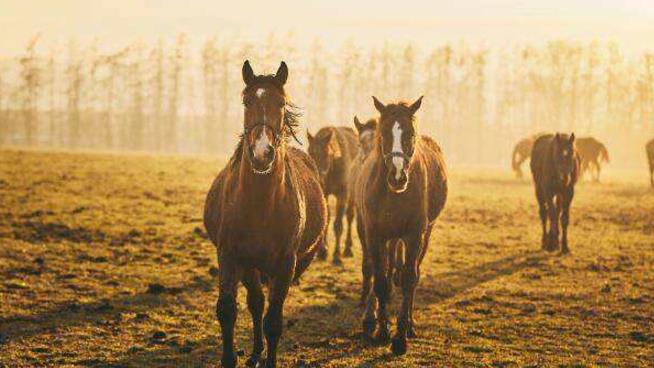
column 103, row 263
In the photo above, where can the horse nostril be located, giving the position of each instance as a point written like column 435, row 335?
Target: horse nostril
column 270, row 153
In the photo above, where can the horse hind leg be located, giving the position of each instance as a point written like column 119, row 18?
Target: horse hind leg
column 322, row 251
column 338, row 228
column 542, row 212
column 349, row 216
column 255, row 300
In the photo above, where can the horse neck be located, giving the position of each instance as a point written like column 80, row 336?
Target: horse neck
column 262, row 189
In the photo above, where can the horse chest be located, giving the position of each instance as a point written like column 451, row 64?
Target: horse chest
column 258, row 231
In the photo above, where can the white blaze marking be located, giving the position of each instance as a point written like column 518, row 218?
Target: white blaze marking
column 398, row 162
column 261, row 144
column 261, row 92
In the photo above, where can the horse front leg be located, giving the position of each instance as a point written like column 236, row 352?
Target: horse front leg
column 252, row 282
column 553, row 241
column 412, row 250
column 379, row 253
column 338, row 227
column 273, row 322
column 542, row 212
column 349, row 216
column 565, row 219
column 226, row 308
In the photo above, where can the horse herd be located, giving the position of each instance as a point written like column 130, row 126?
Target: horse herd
column 266, row 211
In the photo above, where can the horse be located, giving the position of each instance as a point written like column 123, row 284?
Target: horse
column 400, row 192
column 555, row 168
column 333, row 149
column 649, row 148
column 592, row 152
column 366, row 135
column 522, row 152
column 266, row 213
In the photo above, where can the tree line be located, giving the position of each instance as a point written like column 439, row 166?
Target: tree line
column 176, row 97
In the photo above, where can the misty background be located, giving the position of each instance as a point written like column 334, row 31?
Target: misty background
column 165, row 76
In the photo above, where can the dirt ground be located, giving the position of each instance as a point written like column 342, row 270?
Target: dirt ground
column 103, row 264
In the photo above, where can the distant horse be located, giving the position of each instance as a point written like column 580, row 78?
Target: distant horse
column 649, row 148
column 266, row 213
column 400, row 191
column 555, row 169
column 521, row 152
column 591, row 152
column 333, row 149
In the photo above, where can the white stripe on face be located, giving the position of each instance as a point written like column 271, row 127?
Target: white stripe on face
column 261, row 145
column 398, row 162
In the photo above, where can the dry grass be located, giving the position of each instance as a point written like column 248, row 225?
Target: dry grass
column 103, row 264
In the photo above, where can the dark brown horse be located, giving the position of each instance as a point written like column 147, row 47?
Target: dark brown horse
column 591, row 152
column 521, row 152
column 333, row 149
column 400, row 192
column 266, row 213
column 649, row 148
column 555, row 168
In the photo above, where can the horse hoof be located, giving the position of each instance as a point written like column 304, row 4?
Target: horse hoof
column 398, row 346
column 348, row 253
column 254, row 361
column 411, row 333
column 368, row 328
column 229, row 362
column 322, row 255
column 382, row 336
column 337, row 261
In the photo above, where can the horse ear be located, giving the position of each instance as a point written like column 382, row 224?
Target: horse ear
column 357, row 124
column 378, row 105
column 248, row 73
column 416, row 105
column 282, row 74
column 309, row 137
column 572, row 138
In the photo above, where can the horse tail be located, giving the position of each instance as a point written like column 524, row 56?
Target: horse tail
column 604, row 153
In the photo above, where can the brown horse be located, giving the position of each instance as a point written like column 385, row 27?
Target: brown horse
column 521, row 152
column 333, row 149
column 591, row 152
column 367, row 140
column 400, row 192
column 649, row 148
column 555, row 168
column 266, row 213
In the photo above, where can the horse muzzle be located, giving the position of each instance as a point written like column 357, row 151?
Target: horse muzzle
column 397, row 183
column 262, row 160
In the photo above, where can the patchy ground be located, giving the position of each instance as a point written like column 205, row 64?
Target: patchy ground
column 103, row 263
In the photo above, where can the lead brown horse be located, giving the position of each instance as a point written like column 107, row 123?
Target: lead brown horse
column 555, row 169
column 401, row 190
column 266, row 213
column 333, row 149
column 591, row 153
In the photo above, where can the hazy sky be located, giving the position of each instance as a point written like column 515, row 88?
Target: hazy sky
column 630, row 22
